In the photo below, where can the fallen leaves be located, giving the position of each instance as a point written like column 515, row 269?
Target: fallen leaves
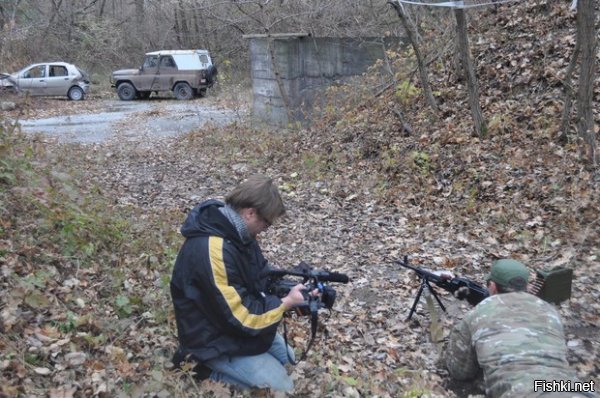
column 63, row 392
column 42, row 371
column 360, row 195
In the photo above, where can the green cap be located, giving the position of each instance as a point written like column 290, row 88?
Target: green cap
column 509, row 273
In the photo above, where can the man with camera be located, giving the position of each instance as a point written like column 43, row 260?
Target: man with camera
column 226, row 322
column 516, row 339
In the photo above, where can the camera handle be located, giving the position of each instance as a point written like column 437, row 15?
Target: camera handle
column 313, row 305
column 424, row 283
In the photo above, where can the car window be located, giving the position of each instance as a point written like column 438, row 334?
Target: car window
column 35, row 72
column 167, row 62
column 204, row 58
column 58, row 70
column 151, row 61
column 188, row 62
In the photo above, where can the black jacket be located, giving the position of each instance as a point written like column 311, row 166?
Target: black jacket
column 217, row 290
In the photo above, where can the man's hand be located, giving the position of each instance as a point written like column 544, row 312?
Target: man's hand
column 297, row 296
column 294, row 297
column 444, row 274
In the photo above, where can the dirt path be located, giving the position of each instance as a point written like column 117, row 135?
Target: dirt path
column 96, row 121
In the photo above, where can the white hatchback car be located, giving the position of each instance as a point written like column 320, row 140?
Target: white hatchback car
column 49, row 79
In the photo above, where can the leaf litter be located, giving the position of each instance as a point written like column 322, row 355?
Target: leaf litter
column 360, row 195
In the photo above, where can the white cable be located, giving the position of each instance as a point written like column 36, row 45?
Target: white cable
column 457, row 4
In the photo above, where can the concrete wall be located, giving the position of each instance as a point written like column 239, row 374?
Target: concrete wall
column 307, row 65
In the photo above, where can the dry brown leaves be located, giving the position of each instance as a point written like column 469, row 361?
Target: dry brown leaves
column 360, row 195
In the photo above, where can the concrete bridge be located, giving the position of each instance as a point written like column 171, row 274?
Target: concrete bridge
column 302, row 66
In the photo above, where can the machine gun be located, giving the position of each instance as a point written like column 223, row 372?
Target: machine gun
column 461, row 288
column 552, row 285
column 312, row 279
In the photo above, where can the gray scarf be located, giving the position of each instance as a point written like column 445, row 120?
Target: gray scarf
column 236, row 220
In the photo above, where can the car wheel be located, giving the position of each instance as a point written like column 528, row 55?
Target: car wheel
column 183, row 91
column 211, row 75
column 126, row 91
column 75, row 94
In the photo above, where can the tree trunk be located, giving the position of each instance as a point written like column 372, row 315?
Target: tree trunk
column 139, row 14
column 412, row 36
column 8, row 15
column 568, row 84
column 2, row 18
column 55, row 11
column 183, row 25
column 101, row 9
column 177, row 27
column 196, row 25
column 463, row 47
column 71, row 24
column 201, row 28
column 139, row 19
column 586, row 18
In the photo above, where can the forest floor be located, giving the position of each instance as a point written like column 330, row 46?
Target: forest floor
column 86, row 252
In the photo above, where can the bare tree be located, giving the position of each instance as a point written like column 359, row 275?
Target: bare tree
column 413, row 37
column 467, row 63
column 139, row 12
column 8, row 11
column 586, row 19
column 568, row 90
column 101, row 9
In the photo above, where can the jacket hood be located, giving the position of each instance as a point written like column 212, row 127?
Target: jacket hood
column 205, row 219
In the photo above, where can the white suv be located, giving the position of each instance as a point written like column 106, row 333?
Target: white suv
column 187, row 73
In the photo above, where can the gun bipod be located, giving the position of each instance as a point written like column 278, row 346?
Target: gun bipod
column 424, row 284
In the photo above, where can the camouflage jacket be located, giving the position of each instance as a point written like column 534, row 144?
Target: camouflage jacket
column 515, row 338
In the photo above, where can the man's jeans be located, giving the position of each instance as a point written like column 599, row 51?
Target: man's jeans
column 256, row 371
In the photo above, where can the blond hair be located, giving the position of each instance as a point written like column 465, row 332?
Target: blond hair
column 257, row 192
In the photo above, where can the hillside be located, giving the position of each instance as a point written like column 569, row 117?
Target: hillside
column 89, row 233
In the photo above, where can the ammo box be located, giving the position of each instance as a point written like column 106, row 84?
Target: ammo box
column 553, row 285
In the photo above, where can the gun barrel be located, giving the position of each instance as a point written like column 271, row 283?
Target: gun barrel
column 420, row 271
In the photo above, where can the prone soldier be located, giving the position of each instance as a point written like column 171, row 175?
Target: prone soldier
column 516, row 339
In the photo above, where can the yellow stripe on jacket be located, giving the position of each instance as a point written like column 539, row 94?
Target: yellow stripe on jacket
column 233, row 299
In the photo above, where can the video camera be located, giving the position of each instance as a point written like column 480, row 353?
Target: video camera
column 313, row 279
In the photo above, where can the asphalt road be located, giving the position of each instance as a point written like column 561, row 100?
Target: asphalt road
column 113, row 119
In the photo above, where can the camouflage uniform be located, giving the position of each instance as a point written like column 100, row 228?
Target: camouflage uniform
column 515, row 338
